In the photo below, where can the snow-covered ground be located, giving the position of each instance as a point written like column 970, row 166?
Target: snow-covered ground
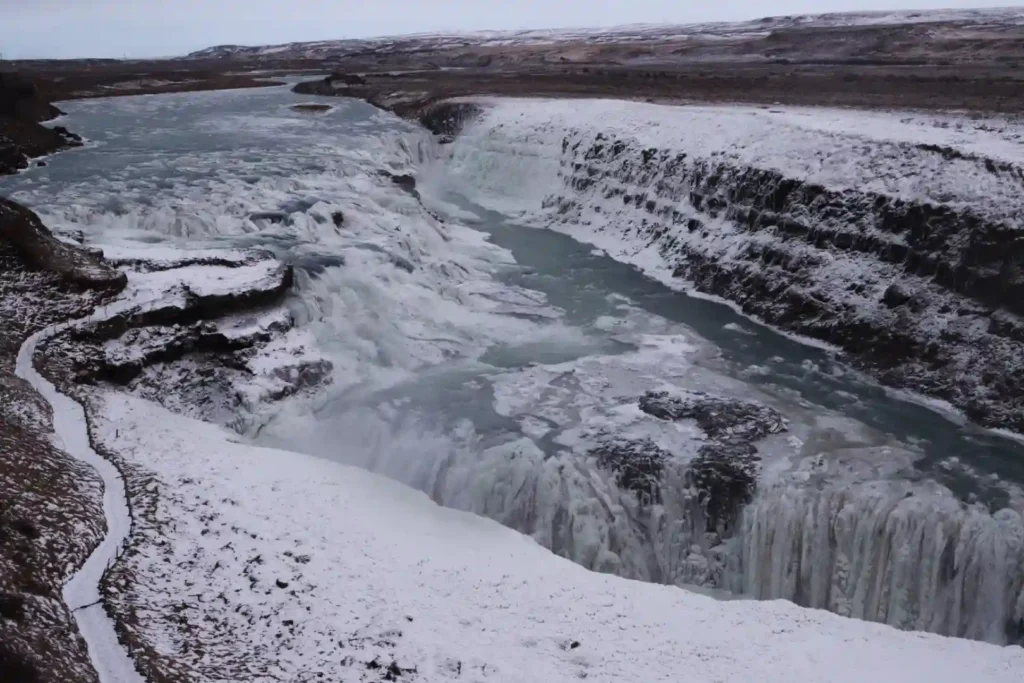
column 289, row 567
column 515, row 151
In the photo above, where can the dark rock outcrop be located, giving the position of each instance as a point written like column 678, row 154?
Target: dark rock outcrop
column 725, row 477
column 637, row 464
column 720, row 418
column 270, row 217
column 20, row 99
column 447, row 119
column 404, row 181
column 335, row 84
column 22, row 108
column 719, row 482
column 311, row 108
column 22, row 228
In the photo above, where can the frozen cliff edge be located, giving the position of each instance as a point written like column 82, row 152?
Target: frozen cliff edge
column 896, row 237
column 893, row 236
column 285, row 566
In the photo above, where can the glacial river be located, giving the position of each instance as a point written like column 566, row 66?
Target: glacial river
column 480, row 358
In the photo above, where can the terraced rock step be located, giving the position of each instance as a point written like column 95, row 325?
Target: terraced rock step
column 209, row 336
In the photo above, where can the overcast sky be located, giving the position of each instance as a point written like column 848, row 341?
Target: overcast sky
column 148, row 28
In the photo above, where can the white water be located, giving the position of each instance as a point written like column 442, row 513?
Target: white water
column 485, row 375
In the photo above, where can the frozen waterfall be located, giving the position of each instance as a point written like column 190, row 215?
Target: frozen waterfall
column 889, row 553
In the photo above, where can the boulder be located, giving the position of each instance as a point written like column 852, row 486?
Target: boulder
column 895, row 296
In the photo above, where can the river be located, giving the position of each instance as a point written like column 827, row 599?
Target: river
column 481, row 359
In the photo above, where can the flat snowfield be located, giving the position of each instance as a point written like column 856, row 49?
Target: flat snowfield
column 274, row 566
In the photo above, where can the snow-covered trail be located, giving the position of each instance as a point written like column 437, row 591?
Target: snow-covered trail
column 82, row 591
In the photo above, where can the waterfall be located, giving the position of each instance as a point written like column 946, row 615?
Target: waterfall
column 886, row 552
column 908, row 554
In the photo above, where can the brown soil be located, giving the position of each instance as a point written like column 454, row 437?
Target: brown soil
column 84, row 79
column 942, row 65
column 970, row 89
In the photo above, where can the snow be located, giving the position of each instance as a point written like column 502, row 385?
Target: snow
column 382, row 325
column 378, row 572
column 166, row 256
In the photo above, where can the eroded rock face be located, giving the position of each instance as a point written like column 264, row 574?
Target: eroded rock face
column 638, row 466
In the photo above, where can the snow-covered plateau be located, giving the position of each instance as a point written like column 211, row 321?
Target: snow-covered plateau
column 343, row 345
